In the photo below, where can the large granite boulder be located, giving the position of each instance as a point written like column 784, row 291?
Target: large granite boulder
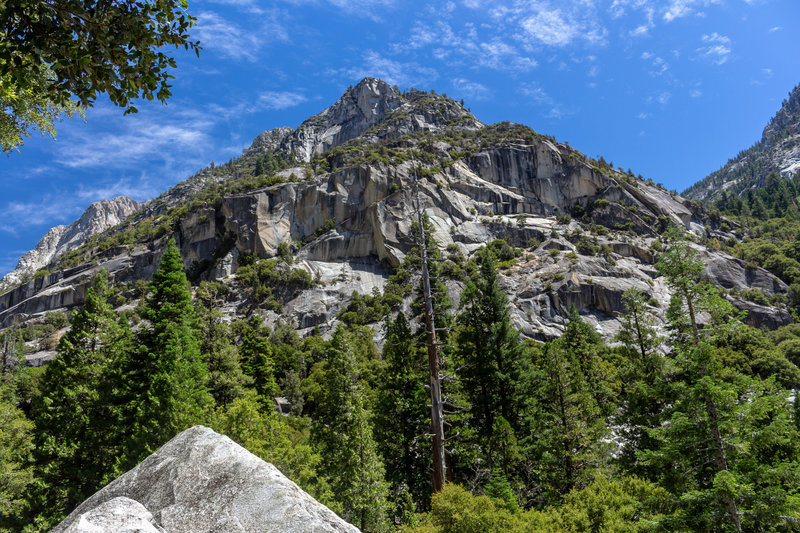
column 201, row 481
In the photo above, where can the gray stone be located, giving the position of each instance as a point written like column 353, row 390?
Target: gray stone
column 200, row 482
column 117, row 515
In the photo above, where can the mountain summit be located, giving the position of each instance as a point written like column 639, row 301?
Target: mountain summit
column 306, row 217
column 777, row 151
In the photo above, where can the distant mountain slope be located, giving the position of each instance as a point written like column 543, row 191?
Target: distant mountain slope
column 98, row 217
column 777, row 151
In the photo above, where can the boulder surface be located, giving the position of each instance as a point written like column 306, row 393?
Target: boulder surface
column 201, row 481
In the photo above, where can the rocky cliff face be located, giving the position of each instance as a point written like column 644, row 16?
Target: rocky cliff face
column 777, row 151
column 587, row 232
column 199, row 482
column 372, row 107
column 98, row 217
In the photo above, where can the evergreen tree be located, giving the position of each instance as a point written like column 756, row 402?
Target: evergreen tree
column 16, row 472
column 344, row 435
column 402, row 416
column 226, row 380
column 489, row 350
column 592, row 356
column 167, row 378
column 75, row 430
column 701, row 414
column 256, row 353
column 646, row 390
column 567, row 435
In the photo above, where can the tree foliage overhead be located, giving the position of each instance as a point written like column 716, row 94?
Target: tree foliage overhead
column 54, row 53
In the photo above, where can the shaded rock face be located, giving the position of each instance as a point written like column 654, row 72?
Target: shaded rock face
column 98, row 217
column 199, row 482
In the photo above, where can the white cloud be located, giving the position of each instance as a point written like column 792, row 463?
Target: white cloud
column 661, row 98
column 471, row 89
column 717, row 48
column 216, row 33
column 539, row 97
column 404, row 74
column 550, row 27
column 695, row 93
column 61, row 208
column 451, row 45
column 678, row 9
column 643, row 116
column 235, row 42
column 270, row 100
column 372, row 9
column 683, row 8
column 774, row 29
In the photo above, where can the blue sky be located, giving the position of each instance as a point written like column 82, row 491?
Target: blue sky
column 671, row 89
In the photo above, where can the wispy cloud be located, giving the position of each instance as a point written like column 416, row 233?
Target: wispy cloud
column 468, row 44
column 661, row 98
column 471, row 89
column 716, row 48
column 676, row 9
column 550, row 27
column 263, row 101
column 540, row 98
column 657, row 65
column 236, row 42
column 49, row 209
column 371, row 9
column 403, row 73
column 145, row 139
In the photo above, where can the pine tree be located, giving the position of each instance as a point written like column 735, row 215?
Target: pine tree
column 489, row 351
column 167, row 378
column 591, row 355
column 646, row 390
column 256, row 354
column 344, row 435
column 226, row 380
column 16, row 445
column 402, row 416
column 705, row 395
column 74, row 441
column 567, row 435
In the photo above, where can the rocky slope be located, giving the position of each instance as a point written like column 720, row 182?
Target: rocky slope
column 199, row 482
column 98, row 217
column 342, row 189
column 777, row 151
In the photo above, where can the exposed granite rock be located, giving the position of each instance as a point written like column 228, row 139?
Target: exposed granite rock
column 117, row 515
column 200, row 482
column 352, row 223
column 98, row 217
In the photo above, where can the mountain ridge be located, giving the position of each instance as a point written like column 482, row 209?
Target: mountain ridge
column 58, row 240
column 777, row 151
column 585, row 231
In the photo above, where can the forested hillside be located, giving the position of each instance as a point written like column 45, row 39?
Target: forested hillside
column 686, row 429
column 612, row 357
